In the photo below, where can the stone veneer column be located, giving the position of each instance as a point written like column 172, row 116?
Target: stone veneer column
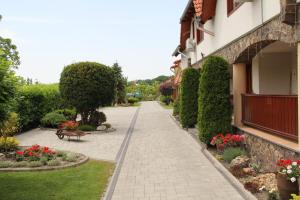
column 239, row 88
column 298, row 79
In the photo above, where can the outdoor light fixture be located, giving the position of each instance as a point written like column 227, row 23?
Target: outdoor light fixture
column 177, row 51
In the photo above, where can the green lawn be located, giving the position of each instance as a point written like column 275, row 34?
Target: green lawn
column 170, row 106
column 86, row 182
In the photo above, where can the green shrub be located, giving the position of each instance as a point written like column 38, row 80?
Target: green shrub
column 44, row 160
column 8, row 144
column 53, row 163
column 8, row 83
column 6, row 164
column 132, row 100
column 87, row 86
column 232, row 152
column 98, row 119
column 61, row 153
column 70, row 114
column 214, row 99
column 35, row 101
column 166, row 99
column 71, row 157
column 35, row 164
column 176, row 107
column 189, row 97
column 10, row 126
column 52, row 120
column 20, row 164
column 87, row 128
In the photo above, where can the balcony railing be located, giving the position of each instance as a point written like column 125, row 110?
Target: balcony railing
column 272, row 113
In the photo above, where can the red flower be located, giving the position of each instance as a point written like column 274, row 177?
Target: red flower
column 20, row 153
column 284, row 163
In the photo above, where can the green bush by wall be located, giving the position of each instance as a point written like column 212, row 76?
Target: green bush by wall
column 176, row 107
column 189, row 97
column 34, row 101
column 214, row 99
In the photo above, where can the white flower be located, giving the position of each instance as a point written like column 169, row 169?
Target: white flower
column 293, row 179
column 272, row 190
column 289, row 171
column 294, row 163
column 289, row 167
column 284, row 171
column 262, row 188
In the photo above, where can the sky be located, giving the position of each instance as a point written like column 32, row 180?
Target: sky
column 50, row 34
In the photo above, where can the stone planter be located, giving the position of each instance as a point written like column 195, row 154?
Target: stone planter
column 286, row 187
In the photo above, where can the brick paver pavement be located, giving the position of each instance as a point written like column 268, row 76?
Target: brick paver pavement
column 102, row 146
column 163, row 162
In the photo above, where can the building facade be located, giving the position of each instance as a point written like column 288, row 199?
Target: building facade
column 260, row 40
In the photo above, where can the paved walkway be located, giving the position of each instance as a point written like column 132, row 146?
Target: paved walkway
column 163, row 162
column 98, row 145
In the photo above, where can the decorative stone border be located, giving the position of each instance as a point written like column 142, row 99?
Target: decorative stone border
column 231, row 179
column 46, row 168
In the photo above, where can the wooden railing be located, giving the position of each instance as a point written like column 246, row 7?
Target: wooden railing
column 272, row 113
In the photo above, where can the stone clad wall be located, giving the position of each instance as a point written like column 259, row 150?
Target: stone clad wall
column 267, row 153
column 246, row 47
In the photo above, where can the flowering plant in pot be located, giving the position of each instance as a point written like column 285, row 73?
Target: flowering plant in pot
column 287, row 178
column 69, row 125
column 229, row 140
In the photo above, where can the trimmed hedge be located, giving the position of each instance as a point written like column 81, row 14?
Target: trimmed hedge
column 189, row 97
column 214, row 99
column 176, row 107
column 35, row 101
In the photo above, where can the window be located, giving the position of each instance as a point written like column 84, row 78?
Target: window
column 200, row 35
column 232, row 5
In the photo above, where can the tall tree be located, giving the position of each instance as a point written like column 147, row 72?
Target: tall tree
column 121, row 81
column 8, row 82
column 9, row 52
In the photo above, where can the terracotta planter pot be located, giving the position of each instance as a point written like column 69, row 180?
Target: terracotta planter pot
column 286, row 187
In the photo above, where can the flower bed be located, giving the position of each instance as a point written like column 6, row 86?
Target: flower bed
column 38, row 157
column 230, row 150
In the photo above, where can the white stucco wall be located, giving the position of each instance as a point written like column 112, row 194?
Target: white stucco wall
column 275, row 73
column 228, row 28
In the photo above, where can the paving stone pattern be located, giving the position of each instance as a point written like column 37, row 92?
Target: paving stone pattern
column 163, row 162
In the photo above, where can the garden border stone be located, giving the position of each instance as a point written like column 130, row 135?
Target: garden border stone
column 47, row 168
column 231, row 179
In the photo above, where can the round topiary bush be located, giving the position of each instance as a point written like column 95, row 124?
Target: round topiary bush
column 87, row 86
column 189, row 97
column 214, row 99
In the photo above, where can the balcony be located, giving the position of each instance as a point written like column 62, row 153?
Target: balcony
column 276, row 114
